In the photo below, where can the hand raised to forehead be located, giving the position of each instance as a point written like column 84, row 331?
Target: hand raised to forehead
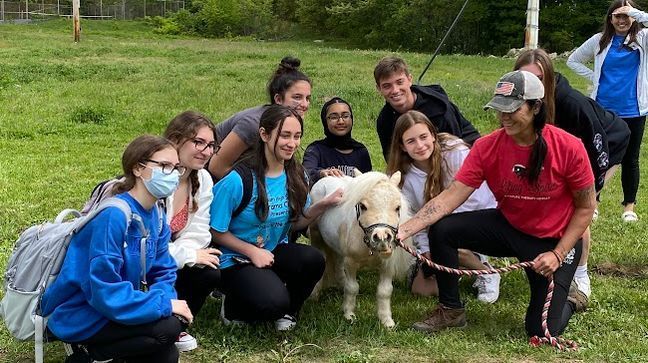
column 623, row 10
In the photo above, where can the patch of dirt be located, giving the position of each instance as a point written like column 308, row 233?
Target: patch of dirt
column 613, row 269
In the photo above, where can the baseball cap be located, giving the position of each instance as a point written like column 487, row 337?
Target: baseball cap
column 513, row 89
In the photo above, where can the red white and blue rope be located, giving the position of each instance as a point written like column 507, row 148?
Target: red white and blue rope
column 536, row 341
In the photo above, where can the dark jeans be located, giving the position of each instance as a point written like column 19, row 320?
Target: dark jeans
column 488, row 232
column 630, row 164
column 194, row 284
column 152, row 342
column 265, row 294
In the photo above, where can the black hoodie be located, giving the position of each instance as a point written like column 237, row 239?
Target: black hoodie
column 603, row 133
column 433, row 102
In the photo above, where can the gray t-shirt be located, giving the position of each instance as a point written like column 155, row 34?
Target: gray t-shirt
column 244, row 124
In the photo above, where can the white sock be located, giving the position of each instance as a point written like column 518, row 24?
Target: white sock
column 581, row 271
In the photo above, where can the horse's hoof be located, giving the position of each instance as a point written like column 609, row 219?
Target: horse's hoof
column 389, row 324
column 351, row 317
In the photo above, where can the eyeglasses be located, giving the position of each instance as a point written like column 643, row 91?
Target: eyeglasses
column 167, row 168
column 201, row 145
column 334, row 117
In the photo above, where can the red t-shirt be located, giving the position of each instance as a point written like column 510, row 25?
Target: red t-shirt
column 542, row 210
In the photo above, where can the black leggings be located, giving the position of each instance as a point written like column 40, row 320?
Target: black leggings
column 488, row 232
column 194, row 284
column 630, row 164
column 152, row 342
column 264, row 294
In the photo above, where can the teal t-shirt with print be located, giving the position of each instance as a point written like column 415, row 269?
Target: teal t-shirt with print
column 228, row 193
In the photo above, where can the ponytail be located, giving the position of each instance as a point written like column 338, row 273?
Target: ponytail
column 539, row 151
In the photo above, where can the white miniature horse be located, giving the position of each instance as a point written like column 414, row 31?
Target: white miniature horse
column 361, row 231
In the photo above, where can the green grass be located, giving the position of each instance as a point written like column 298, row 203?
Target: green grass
column 69, row 110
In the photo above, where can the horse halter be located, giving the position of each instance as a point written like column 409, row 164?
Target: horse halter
column 369, row 230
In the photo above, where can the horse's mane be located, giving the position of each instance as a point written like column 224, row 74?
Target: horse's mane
column 360, row 185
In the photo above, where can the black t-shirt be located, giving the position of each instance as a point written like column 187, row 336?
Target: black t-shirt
column 319, row 156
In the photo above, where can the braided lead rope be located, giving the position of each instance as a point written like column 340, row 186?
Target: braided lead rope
column 559, row 342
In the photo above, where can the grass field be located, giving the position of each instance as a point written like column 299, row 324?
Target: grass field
column 68, row 110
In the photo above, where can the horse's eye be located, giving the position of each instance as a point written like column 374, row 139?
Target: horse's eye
column 398, row 209
column 363, row 207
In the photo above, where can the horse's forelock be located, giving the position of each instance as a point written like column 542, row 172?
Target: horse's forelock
column 361, row 185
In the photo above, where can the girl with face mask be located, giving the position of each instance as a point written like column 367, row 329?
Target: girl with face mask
column 96, row 301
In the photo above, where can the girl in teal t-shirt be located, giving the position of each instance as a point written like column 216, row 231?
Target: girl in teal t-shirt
column 264, row 277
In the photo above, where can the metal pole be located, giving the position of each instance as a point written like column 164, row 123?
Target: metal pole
column 75, row 20
column 58, row 7
column 531, row 33
column 101, row 9
column 26, row 9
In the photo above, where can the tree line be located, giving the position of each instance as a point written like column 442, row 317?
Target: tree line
column 486, row 27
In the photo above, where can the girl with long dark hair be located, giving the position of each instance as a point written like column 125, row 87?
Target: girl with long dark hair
column 264, row 278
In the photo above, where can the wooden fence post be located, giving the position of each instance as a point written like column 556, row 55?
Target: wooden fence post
column 76, row 21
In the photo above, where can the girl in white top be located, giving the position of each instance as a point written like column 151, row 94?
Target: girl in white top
column 188, row 214
column 620, row 83
column 429, row 161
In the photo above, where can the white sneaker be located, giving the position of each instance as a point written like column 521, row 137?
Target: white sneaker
column 583, row 284
column 288, row 322
column 186, row 342
column 227, row 321
column 487, row 287
column 595, row 215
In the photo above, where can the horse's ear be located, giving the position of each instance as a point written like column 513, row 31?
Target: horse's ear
column 395, row 178
column 356, row 172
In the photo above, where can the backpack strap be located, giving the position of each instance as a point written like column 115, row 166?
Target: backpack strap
column 130, row 217
column 248, row 184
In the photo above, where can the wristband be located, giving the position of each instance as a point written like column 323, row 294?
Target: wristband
column 560, row 261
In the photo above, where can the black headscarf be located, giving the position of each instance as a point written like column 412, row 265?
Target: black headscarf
column 344, row 142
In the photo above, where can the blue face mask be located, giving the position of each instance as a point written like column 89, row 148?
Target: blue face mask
column 162, row 185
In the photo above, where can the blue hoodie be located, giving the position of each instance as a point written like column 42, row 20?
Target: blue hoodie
column 100, row 277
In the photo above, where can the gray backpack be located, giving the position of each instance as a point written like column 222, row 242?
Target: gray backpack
column 36, row 262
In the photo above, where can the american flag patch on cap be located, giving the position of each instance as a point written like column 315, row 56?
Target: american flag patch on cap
column 504, row 88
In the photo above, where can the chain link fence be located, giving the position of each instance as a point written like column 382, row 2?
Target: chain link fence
column 20, row 11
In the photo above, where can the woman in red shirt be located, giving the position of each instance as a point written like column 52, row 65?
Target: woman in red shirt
column 543, row 183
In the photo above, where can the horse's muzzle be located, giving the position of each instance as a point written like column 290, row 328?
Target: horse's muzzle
column 382, row 241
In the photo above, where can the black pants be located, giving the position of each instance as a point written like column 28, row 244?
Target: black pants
column 153, row 342
column 488, row 232
column 255, row 294
column 194, row 284
column 630, row 164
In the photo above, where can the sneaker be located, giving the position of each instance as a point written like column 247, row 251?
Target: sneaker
column 629, row 217
column 227, row 321
column 442, row 318
column 578, row 298
column 288, row 322
column 583, row 284
column 186, row 342
column 487, row 287
column 595, row 215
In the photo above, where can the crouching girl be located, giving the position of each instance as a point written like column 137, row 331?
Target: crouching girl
column 96, row 300
column 264, row 278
